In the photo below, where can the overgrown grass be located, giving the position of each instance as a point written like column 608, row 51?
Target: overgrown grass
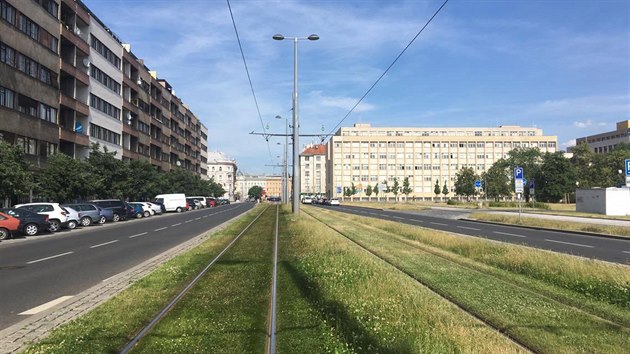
column 525, row 308
column 400, row 205
column 110, row 326
column 371, row 306
column 553, row 224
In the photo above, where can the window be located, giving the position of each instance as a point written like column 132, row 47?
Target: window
column 7, row 55
column 144, row 128
column 105, row 52
column 101, row 133
column 27, row 26
column 47, row 113
column 7, row 98
column 27, row 105
column 105, row 79
column 7, row 12
column 50, row 6
column 28, row 145
column 104, row 106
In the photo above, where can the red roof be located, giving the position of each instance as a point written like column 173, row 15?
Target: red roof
column 319, row 149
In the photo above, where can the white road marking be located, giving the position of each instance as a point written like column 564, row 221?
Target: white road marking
column 136, row 235
column 385, row 215
column 373, row 214
column 570, row 243
column 197, row 218
column 179, row 223
column 104, row 244
column 625, row 251
column 468, row 228
column 205, row 216
column 507, row 234
column 437, row 223
column 51, row 257
column 416, row 220
column 187, row 221
column 161, row 228
column 397, row 217
column 46, row 306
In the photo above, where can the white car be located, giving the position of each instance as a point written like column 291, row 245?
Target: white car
column 334, row 201
column 146, row 209
column 307, row 200
column 57, row 217
column 73, row 217
column 157, row 209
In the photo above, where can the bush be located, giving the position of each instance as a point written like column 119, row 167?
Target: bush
column 514, row 204
column 453, row 202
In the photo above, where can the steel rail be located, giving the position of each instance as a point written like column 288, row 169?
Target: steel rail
column 271, row 333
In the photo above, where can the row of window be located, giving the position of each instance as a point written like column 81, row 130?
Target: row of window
column 32, row 146
column 104, row 106
column 27, row 65
column 104, row 79
column 440, row 133
column 27, row 105
column 392, row 166
column 105, row 52
column 28, row 27
column 101, row 133
column 427, row 144
column 425, row 156
column 50, row 6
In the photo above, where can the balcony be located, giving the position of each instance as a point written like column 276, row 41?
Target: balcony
column 69, row 34
column 80, row 11
column 74, row 137
column 130, row 106
column 74, row 72
column 71, row 103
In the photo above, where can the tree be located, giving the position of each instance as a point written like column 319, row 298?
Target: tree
column 255, row 192
column 15, row 177
column 396, row 188
column 555, row 178
column 64, row 179
column 375, row 190
column 353, row 189
column 583, row 160
column 436, row 189
column 406, row 190
column 368, row 191
column 527, row 158
column 108, row 175
column 445, row 190
column 465, row 182
column 143, row 181
column 497, row 180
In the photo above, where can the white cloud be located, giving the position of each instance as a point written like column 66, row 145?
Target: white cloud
column 344, row 103
column 585, row 124
column 567, row 144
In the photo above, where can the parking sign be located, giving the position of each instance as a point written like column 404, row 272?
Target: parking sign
column 627, row 164
column 518, row 172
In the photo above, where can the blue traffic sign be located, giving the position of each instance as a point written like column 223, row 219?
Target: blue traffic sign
column 524, row 182
column 627, row 167
column 531, row 184
column 477, row 184
column 518, row 172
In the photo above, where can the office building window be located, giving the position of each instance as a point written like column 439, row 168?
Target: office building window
column 7, row 98
column 104, row 106
column 7, row 12
column 101, row 133
column 7, row 55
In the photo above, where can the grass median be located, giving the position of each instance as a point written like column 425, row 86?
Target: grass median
column 546, row 316
column 554, row 224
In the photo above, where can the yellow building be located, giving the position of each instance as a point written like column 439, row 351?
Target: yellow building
column 273, row 186
column 366, row 155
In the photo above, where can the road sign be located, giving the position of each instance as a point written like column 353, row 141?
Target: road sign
column 531, row 184
column 519, row 180
column 518, row 172
column 477, row 184
column 518, row 185
column 338, row 189
column 627, row 164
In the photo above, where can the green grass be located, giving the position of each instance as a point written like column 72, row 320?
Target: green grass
column 110, row 326
column 400, row 205
column 523, row 307
column 553, row 224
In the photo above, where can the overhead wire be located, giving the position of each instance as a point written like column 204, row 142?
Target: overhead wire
column 386, row 70
column 240, row 46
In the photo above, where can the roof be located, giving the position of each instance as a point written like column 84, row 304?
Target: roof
column 318, row 149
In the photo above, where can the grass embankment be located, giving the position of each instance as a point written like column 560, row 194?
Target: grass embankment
column 554, row 303
column 388, row 205
column 553, row 224
column 110, row 326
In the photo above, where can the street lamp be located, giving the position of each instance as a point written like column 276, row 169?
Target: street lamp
column 285, row 186
column 296, row 136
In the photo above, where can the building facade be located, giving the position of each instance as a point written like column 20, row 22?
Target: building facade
column 245, row 182
column 273, row 186
column 67, row 81
column 313, row 169
column 366, row 155
column 606, row 142
column 223, row 170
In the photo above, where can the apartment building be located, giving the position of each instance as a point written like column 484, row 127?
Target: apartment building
column 366, row 155
column 29, row 76
column 245, row 182
column 67, row 81
column 605, row 142
column 313, row 169
column 223, row 170
column 273, row 186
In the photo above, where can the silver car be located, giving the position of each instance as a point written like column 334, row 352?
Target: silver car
column 89, row 213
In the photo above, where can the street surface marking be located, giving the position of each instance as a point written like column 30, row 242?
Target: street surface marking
column 397, row 217
column 468, row 228
column 507, row 234
column 416, row 220
column 161, row 228
column 136, row 235
column 46, row 306
column 625, row 251
column 197, row 218
column 104, row 244
column 187, row 221
column 51, row 257
column 570, row 243
column 437, row 223
column 179, row 223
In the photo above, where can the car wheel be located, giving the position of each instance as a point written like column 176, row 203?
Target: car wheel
column 146, row 214
column 4, row 233
column 179, row 209
column 116, row 217
column 102, row 220
column 72, row 224
column 86, row 221
column 138, row 215
column 55, row 225
column 31, row 229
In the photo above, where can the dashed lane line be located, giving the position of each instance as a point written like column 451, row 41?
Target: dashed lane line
column 416, row 220
column 437, row 223
column 179, row 223
column 469, row 228
column 161, row 228
column 187, row 221
column 507, row 234
column 570, row 243
column 51, row 257
column 136, row 235
column 104, row 244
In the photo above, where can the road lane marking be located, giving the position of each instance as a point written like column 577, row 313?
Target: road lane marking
column 625, row 251
column 187, row 221
column 468, row 228
column 136, row 235
column 205, row 216
column 397, row 217
column 179, row 223
column 507, row 234
column 51, row 257
column 46, row 306
column 197, row 218
column 383, row 215
column 416, row 220
column 161, row 228
column 104, row 244
column 437, row 223
column 570, row 243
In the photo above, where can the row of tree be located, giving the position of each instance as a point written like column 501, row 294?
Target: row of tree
column 99, row 176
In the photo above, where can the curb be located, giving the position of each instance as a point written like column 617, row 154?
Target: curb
column 586, row 233
column 35, row 328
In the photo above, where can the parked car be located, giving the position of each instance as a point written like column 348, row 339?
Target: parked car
column 89, row 213
column 30, row 223
column 307, row 200
column 8, row 225
column 211, row 202
column 106, row 215
column 73, row 217
column 202, row 200
column 116, row 205
column 135, row 210
column 172, row 202
column 146, row 209
column 156, row 208
column 57, row 217
column 193, row 204
column 333, row 201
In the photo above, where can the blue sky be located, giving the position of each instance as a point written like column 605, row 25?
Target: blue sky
column 562, row 66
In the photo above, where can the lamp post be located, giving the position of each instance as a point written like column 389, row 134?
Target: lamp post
column 296, row 136
column 285, row 175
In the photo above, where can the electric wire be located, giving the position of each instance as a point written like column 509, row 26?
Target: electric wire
column 240, row 46
column 386, row 70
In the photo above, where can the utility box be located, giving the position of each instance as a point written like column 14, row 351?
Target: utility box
column 607, row 201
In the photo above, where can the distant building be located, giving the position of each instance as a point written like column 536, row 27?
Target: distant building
column 313, row 169
column 605, row 142
column 271, row 185
column 223, row 170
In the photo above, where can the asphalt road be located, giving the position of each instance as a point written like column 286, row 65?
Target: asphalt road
column 602, row 248
column 40, row 269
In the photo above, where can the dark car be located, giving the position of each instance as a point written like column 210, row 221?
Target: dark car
column 116, row 205
column 134, row 210
column 30, row 223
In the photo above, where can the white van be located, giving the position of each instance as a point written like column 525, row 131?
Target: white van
column 172, row 202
